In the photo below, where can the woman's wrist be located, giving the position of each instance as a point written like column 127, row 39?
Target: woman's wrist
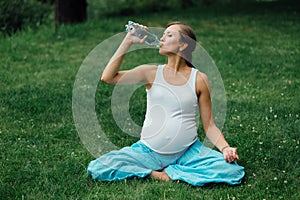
column 225, row 147
column 127, row 41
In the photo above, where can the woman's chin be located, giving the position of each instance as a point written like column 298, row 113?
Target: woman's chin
column 163, row 51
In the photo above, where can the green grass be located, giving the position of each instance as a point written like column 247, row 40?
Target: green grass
column 257, row 53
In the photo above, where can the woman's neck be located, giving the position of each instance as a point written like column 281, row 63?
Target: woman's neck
column 176, row 63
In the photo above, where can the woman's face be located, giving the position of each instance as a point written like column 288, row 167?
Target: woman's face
column 170, row 40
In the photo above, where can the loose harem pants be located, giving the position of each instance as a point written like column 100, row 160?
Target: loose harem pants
column 198, row 165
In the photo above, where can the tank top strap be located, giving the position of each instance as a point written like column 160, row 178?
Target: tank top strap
column 159, row 76
column 193, row 79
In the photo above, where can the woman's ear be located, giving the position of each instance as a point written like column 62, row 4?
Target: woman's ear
column 183, row 46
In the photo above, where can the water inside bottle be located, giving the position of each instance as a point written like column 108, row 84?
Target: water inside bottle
column 140, row 32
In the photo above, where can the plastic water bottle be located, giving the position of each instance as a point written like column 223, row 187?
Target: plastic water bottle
column 140, row 32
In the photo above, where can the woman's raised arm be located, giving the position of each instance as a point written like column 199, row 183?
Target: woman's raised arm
column 112, row 74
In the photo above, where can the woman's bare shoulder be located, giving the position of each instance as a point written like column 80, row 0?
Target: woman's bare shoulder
column 149, row 72
column 202, row 78
column 202, row 83
column 148, row 67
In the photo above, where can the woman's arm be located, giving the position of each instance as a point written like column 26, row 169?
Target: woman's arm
column 212, row 132
column 113, row 75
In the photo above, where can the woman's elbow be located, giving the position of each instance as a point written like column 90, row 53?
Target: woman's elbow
column 106, row 79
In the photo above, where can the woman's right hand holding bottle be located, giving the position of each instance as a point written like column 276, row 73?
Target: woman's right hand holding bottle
column 131, row 36
column 134, row 39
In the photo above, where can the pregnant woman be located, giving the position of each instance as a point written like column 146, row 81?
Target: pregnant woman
column 169, row 148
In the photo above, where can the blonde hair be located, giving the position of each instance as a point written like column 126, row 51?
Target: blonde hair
column 187, row 36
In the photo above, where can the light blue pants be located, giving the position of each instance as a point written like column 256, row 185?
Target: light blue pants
column 197, row 166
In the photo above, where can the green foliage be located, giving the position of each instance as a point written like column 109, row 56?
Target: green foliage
column 129, row 7
column 15, row 14
column 98, row 8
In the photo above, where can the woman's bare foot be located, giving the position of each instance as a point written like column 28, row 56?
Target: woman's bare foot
column 160, row 175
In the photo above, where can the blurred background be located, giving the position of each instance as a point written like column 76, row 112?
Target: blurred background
column 17, row 14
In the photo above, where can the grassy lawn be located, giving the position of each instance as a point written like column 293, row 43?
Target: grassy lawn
column 257, row 53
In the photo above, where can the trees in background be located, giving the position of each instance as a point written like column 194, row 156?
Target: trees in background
column 15, row 14
column 70, row 11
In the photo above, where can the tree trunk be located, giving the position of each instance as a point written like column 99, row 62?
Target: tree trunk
column 70, row 11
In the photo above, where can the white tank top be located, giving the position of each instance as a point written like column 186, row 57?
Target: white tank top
column 170, row 121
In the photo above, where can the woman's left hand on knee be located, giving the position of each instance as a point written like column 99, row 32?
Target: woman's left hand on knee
column 230, row 154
